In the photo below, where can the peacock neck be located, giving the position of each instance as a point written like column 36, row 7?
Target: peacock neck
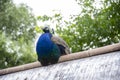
column 44, row 44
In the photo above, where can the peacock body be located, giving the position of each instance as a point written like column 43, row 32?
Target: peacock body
column 49, row 48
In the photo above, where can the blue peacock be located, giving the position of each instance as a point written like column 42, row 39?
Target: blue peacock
column 49, row 48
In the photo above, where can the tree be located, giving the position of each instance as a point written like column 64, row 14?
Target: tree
column 17, row 34
column 94, row 27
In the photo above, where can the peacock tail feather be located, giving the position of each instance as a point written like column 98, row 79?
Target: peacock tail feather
column 62, row 44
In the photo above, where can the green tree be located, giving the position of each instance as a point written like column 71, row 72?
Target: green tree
column 95, row 26
column 16, row 34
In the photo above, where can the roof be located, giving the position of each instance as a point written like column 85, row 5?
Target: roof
column 99, row 67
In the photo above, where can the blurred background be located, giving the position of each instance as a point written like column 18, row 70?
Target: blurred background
column 83, row 24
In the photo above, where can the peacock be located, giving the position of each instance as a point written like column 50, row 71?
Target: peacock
column 49, row 48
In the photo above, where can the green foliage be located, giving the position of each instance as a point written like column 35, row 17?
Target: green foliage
column 16, row 34
column 38, row 29
column 93, row 27
column 17, row 21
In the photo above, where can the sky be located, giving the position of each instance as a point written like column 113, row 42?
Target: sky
column 46, row 7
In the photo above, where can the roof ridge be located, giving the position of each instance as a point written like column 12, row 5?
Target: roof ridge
column 77, row 55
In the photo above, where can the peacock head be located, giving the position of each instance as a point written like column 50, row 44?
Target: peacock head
column 47, row 29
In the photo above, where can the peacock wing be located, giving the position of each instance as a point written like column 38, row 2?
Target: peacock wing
column 59, row 41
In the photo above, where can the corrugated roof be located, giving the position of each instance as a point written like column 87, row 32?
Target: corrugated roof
column 100, row 67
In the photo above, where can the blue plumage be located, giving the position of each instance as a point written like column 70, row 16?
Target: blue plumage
column 44, row 44
column 49, row 48
column 48, row 52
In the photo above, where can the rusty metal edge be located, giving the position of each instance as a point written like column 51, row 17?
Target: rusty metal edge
column 77, row 55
